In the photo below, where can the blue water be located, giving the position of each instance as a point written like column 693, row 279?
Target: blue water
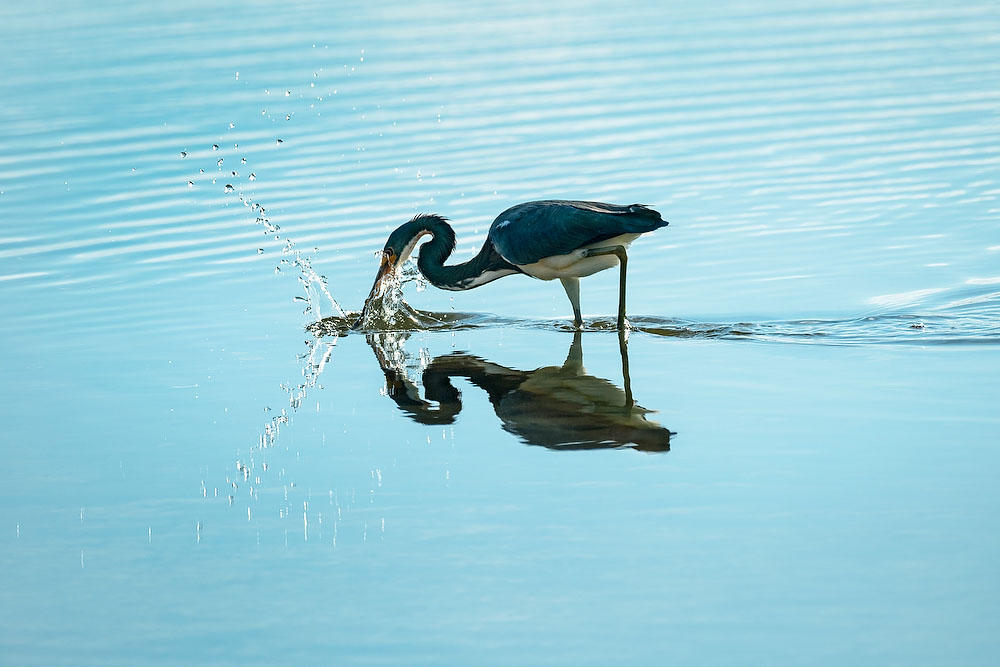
column 790, row 460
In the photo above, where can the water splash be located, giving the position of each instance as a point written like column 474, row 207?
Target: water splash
column 386, row 310
column 253, row 466
column 314, row 285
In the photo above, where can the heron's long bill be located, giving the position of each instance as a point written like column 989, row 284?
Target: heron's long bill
column 385, row 269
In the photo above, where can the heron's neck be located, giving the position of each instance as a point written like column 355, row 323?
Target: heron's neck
column 481, row 269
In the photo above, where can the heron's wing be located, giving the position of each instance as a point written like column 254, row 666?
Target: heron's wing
column 529, row 232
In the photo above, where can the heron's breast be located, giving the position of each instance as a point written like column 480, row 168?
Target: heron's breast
column 575, row 264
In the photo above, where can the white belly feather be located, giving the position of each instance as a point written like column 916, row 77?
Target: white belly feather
column 574, row 264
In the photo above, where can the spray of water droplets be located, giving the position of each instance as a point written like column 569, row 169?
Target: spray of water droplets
column 313, row 284
column 252, row 464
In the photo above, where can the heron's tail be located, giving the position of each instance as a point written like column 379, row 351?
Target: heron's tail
column 644, row 212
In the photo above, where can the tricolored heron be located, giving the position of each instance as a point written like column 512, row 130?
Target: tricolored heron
column 551, row 239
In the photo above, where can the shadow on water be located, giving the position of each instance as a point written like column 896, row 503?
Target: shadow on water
column 559, row 407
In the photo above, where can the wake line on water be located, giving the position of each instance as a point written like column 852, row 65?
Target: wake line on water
column 958, row 325
column 894, row 329
column 969, row 314
column 898, row 329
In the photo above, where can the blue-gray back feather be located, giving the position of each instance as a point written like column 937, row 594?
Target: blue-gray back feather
column 529, row 232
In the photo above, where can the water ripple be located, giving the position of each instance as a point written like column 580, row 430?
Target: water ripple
column 795, row 150
column 970, row 327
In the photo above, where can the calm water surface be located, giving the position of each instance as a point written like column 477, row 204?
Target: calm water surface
column 791, row 460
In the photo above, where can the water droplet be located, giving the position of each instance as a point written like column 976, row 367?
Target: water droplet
column 184, row 154
column 229, row 188
column 215, row 147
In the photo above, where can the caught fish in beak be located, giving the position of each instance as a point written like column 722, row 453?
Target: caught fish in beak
column 387, row 268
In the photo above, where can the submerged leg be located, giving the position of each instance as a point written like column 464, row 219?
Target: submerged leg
column 622, row 267
column 572, row 287
column 574, row 358
column 623, row 348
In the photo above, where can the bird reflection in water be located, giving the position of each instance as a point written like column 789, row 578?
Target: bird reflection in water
column 559, row 407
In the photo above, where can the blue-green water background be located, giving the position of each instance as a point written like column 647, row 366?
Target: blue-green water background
column 829, row 288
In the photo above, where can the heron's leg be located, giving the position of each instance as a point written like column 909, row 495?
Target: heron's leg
column 572, row 287
column 623, row 267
